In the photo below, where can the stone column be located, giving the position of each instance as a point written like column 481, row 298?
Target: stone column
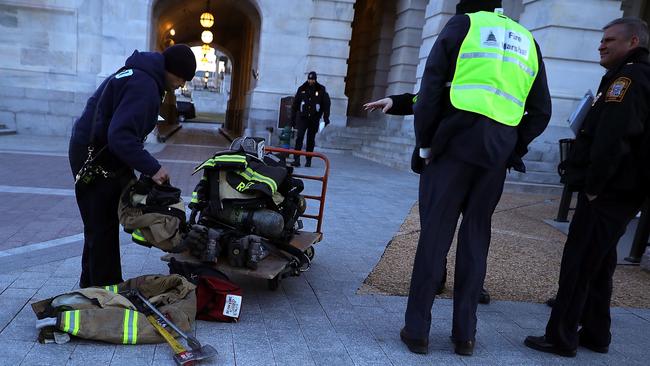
column 569, row 43
column 405, row 51
column 437, row 13
column 406, row 46
column 329, row 36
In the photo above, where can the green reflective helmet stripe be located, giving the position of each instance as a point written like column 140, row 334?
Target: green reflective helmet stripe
column 137, row 237
column 250, row 174
column 415, row 99
column 71, row 322
column 222, row 159
column 495, row 70
column 130, row 326
column 112, row 288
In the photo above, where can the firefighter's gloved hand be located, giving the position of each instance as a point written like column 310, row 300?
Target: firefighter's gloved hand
column 196, row 239
column 327, row 121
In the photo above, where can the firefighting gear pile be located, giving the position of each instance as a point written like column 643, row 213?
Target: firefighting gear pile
column 153, row 214
column 248, row 205
column 107, row 314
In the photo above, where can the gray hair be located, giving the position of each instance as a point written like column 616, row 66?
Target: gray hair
column 633, row 27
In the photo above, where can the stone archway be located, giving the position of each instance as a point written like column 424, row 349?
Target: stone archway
column 370, row 52
column 236, row 31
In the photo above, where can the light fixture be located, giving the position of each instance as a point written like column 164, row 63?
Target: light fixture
column 207, row 19
column 206, row 36
column 172, row 32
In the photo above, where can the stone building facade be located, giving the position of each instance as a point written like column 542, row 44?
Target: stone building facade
column 55, row 52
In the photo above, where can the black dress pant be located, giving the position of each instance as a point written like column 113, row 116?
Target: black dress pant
column 449, row 187
column 588, row 264
column 98, row 203
column 309, row 126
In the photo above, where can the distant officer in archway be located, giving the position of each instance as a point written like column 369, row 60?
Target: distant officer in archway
column 610, row 163
column 112, row 128
column 310, row 104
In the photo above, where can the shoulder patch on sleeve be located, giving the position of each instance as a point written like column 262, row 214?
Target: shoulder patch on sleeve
column 125, row 73
column 616, row 91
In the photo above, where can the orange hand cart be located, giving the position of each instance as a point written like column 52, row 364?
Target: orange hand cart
column 274, row 268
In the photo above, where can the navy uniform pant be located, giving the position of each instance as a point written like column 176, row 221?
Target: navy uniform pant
column 449, row 188
column 98, row 202
column 588, row 264
column 310, row 127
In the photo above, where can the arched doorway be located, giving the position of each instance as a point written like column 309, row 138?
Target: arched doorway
column 369, row 61
column 235, row 35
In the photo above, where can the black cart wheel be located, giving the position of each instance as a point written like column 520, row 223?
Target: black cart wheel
column 310, row 252
column 273, row 283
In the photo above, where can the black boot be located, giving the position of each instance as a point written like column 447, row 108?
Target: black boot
column 308, row 162
column 296, row 162
column 484, row 297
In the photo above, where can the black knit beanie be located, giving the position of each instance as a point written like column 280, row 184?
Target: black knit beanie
column 312, row 75
column 472, row 6
column 180, row 61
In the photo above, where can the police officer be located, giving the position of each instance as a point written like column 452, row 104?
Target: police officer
column 609, row 162
column 115, row 122
column 310, row 103
column 482, row 74
column 402, row 105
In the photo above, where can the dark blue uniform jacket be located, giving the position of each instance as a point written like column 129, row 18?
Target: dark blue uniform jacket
column 611, row 153
column 127, row 113
column 468, row 136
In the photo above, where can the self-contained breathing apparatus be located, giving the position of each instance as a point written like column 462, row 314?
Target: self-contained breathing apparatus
column 251, row 203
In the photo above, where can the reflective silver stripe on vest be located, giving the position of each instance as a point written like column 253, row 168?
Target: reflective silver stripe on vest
column 492, row 90
column 513, row 60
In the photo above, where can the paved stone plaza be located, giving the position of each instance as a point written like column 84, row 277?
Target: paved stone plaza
column 315, row 319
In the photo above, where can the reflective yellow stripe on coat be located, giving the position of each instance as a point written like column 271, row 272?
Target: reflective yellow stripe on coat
column 71, row 322
column 130, row 333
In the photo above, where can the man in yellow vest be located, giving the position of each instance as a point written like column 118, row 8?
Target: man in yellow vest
column 483, row 98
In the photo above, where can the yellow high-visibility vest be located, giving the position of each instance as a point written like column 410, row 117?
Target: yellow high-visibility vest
column 496, row 67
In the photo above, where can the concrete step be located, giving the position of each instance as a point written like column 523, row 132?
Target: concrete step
column 388, row 147
column 341, row 140
column 525, row 187
column 4, row 130
column 535, row 177
column 398, row 139
column 378, row 154
column 540, row 166
column 388, row 161
column 337, row 145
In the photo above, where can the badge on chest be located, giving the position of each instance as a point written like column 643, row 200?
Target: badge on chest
column 617, row 90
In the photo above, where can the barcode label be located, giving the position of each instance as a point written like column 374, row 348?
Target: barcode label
column 232, row 306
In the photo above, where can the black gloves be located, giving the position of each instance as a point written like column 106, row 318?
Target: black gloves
column 196, row 240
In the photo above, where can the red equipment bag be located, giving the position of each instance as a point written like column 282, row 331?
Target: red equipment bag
column 217, row 298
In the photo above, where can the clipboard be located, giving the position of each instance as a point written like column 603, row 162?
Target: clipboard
column 578, row 116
